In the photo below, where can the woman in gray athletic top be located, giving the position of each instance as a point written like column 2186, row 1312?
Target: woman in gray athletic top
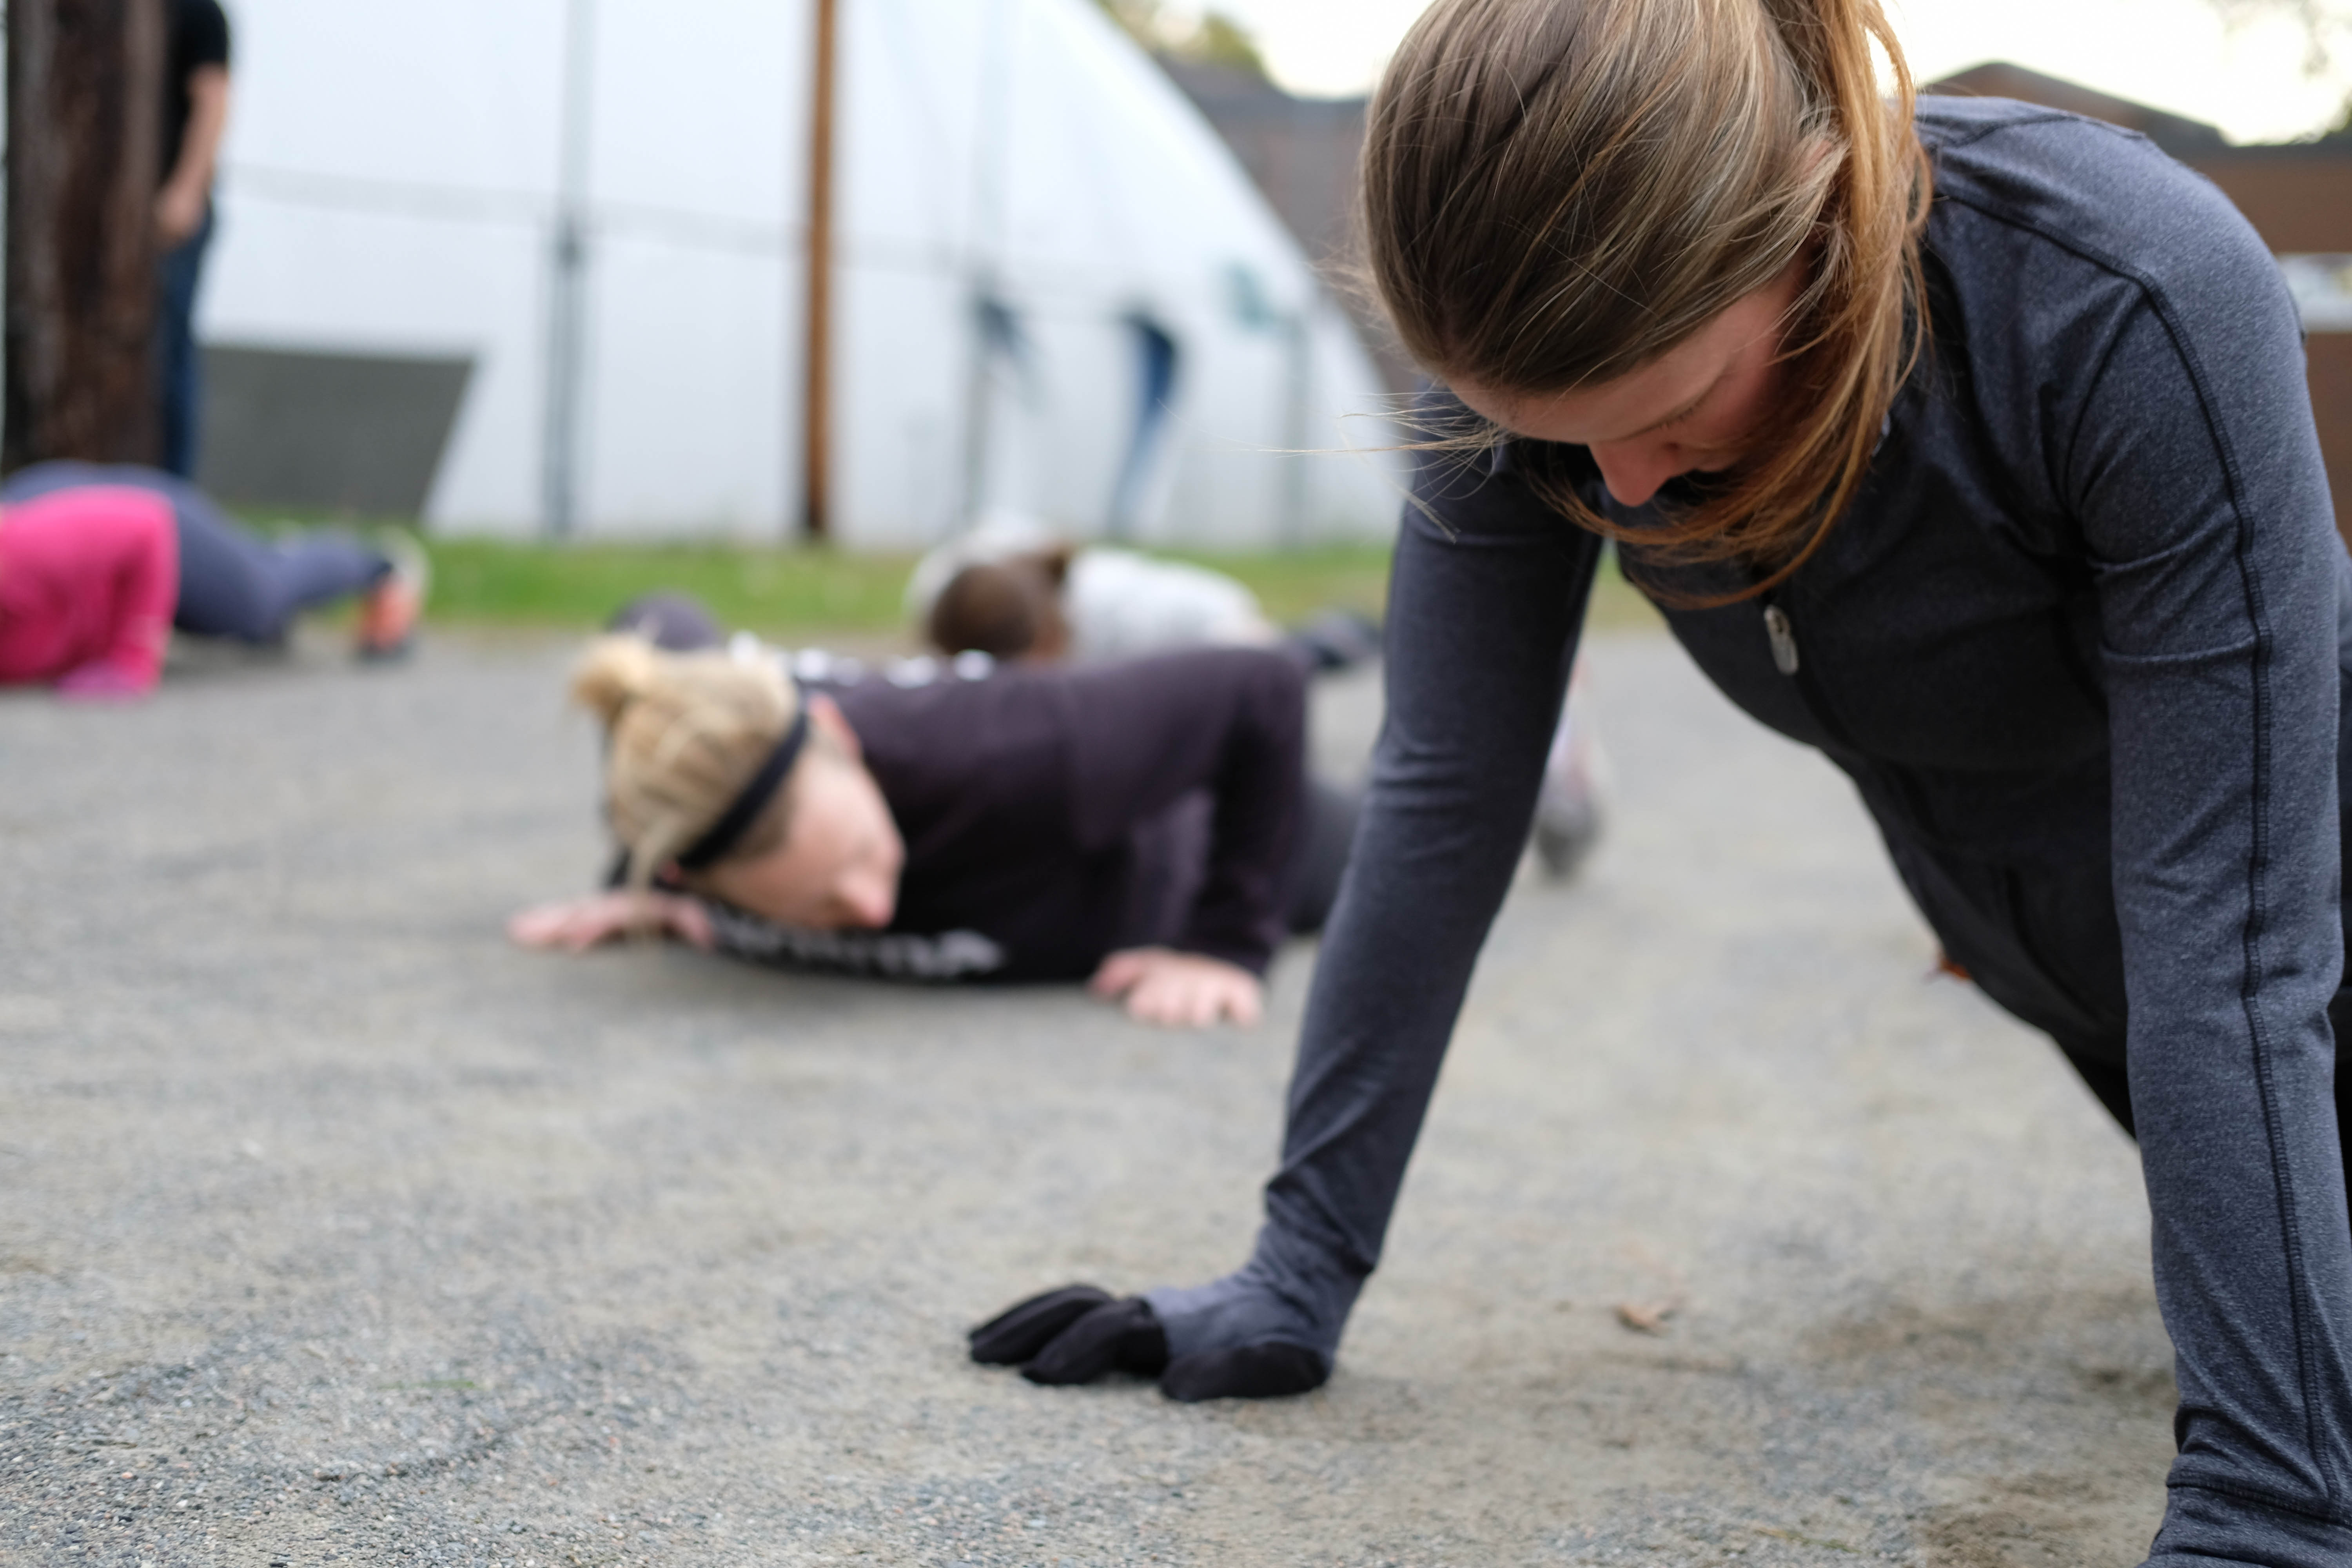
column 1966, row 441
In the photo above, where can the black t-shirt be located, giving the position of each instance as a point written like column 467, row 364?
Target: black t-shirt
column 199, row 39
column 1055, row 817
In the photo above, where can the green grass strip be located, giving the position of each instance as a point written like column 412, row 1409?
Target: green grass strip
column 797, row 594
column 792, row 592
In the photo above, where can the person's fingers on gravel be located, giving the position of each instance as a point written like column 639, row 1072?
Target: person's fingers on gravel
column 590, row 923
column 1159, row 998
column 1176, row 1006
column 573, row 925
column 1144, row 1003
column 1197, row 994
column 692, row 921
column 1122, row 1336
column 1158, row 1004
column 1118, row 975
column 1269, row 1370
column 541, row 925
column 1021, row 1330
column 587, row 931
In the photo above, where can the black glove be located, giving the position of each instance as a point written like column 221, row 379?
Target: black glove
column 1078, row 1333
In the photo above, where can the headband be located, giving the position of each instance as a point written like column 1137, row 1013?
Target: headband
column 737, row 819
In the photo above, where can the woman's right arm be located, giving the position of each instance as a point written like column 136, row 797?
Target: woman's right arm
column 1486, row 602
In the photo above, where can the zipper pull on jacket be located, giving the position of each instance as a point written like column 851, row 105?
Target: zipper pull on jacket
column 1783, row 636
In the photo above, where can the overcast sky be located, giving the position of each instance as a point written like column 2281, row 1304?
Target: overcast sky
column 2171, row 53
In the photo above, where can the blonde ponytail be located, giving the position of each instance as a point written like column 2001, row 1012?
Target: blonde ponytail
column 1557, row 192
column 685, row 734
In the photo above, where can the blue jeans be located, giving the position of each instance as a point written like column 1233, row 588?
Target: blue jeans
column 179, row 374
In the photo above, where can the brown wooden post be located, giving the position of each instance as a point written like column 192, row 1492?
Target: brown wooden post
column 85, row 142
column 816, row 431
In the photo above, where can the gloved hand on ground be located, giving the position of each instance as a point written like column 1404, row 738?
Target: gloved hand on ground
column 1078, row 1333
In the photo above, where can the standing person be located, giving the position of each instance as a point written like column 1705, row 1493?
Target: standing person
column 195, row 117
column 1963, row 440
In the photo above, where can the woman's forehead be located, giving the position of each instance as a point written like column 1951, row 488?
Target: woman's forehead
column 1631, row 406
column 1617, row 410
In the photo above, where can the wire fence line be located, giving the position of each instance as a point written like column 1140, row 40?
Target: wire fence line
column 1048, row 286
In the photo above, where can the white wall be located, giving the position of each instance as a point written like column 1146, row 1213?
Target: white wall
column 392, row 188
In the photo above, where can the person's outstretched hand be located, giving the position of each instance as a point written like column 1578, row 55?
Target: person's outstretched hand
column 1080, row 1332
column 578, row 924
column 1178, row 990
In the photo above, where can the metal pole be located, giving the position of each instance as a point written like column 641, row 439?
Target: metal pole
column 989, row 151
column 1299, row 334
column 816, row 400
column 567, row 281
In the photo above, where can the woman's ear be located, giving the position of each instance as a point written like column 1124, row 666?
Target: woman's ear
column 1052, row 643
column 826, row 717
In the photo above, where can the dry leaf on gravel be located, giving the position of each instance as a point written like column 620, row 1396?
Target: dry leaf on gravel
column 1648, row 1317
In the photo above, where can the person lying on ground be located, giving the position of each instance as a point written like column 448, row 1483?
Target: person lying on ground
column 1967, row 441
column 1009, row 590
column 98, row 566
column 1147, row 827
column 1012, row 589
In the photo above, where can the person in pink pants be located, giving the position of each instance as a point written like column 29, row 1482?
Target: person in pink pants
column 87, row 553
column 88, row 579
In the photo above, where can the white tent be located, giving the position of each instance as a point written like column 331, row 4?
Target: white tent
column 392, row 185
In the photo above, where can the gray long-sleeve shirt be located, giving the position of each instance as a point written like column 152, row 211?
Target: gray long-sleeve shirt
column 2085, row 609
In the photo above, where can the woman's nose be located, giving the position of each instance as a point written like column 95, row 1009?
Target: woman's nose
column 1636, row 470
column 870, row 900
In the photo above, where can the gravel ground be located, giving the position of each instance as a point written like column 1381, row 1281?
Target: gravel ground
column 333, row 1230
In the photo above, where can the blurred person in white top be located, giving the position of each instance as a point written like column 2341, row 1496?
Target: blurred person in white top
column 1015, row 590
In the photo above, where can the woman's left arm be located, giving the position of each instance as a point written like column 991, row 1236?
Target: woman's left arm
column 2193, row 467
column 1232, row 721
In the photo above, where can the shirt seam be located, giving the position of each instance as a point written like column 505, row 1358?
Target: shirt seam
column 2041, row 116
column 2044, row 116
column 2257, row 921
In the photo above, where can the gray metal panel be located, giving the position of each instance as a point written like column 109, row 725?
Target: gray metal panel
column 361, row 435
